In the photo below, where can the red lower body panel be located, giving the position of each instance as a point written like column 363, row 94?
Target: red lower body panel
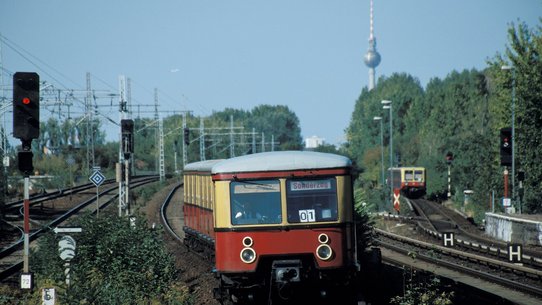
column 277, row 242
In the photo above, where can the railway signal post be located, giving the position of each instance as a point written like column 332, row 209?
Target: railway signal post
column 449, row 161
column 97, row 178
column 127, row 148
column 26, row 127
column 507, row 159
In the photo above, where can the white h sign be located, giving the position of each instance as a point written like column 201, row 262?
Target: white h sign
column 448, row 239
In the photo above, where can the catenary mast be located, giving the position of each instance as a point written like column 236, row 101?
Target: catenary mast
column 372, row 57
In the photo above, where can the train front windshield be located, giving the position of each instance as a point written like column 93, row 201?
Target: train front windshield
column 255, row 202
column 418, row 175
column 311, row 200
column 414, row 175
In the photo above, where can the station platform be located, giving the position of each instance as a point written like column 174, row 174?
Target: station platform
column 515, row 228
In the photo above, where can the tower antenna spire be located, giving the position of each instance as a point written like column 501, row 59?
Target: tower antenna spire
column 372, row 57
column 371, row 23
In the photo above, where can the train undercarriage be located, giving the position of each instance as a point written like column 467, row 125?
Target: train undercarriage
column 288, row 280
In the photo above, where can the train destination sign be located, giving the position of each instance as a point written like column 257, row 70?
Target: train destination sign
column 310, row 185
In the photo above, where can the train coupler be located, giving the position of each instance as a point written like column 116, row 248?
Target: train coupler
column 287, row 271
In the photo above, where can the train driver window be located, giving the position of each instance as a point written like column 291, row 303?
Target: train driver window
column 255, row 202
column 408, row 175
column 418, row 175
column 311, row 200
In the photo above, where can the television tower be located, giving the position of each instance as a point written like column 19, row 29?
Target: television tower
column 372, row 57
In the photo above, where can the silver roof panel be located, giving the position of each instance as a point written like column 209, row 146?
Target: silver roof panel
column 201, row 166
column 281, row 161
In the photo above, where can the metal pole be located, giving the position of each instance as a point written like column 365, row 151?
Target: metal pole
column 382, row 150
column 253, row 140
column 175, row 157
column 513, row 106
column 387, row 105
column 492, row 201
column 232, row 144
column 127, row 185
column 505, row 183
column 514, row 139
column 119, row 175
column 391, row 154
column 449, row 182
column 201, row 140
column 383, row 183
column 26, row 225
column 97, row 201
column 185, row 153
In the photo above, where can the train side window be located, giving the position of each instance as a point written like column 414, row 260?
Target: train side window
column 311, row 200
column 255, row 202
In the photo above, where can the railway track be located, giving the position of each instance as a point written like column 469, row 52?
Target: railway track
column 195, row 269
column 466, row 235
column 11, row 255
column 168, row 226
column 41, row 198
column 512, row 276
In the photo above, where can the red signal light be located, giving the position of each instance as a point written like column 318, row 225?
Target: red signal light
column 26, row 100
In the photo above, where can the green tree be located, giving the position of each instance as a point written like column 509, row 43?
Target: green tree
column 278, row 121
column 363, row 132
column 524, row 55
column 454, row 119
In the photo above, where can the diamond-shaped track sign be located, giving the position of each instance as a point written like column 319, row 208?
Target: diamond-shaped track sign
column 97, row 178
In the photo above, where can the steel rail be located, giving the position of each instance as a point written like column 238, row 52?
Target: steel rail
column 466, row 256
column 463, row 269
column 163, row 215
column 535, row 257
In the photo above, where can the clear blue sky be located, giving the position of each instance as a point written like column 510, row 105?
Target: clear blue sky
column 205, row 55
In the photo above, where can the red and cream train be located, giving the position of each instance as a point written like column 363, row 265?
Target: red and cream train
column 280, row 225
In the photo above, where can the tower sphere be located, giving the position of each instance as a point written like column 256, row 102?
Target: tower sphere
column 372, row 58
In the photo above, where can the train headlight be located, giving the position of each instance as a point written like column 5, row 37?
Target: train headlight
column 247, row 241
column 323, row 238
column 324, row 252
column 248, row 255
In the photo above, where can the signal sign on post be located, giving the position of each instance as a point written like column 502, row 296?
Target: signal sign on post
column 396, row 203
column 97, row 178
column 66, row 248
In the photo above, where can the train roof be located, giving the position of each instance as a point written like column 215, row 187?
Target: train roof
column 281, row 161
column 407, row 167
column 201, row 166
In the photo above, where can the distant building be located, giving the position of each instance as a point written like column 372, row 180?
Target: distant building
column 313, row 142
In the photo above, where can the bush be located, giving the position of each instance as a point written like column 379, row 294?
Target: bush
column 424, row 293
column 115, row 263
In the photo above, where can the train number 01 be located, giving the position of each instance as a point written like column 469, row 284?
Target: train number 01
column 307, row 216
